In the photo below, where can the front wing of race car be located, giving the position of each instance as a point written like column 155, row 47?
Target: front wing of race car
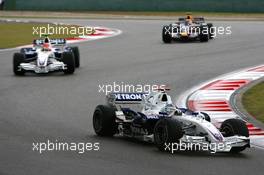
column 207, row 134
column 184, row 35
column 183, row 32
column 226, row 145
column 31, row 67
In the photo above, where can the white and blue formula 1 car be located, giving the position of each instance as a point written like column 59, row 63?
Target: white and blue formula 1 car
column 46, row 55
column 155, row 118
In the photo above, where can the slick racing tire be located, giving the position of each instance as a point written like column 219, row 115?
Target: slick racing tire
column 211, row 30
column 104, row 121
column 68, row 59
column 76, row 54
column 166, row 36
column 167, row 131
column 18, row 58
column 231, row 127
column 204, row 34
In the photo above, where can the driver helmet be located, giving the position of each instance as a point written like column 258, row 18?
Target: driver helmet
column 46, row 47
column 189, row 19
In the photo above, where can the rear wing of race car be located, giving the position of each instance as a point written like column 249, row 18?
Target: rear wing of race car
column 125, row 98
column 195, row 19
column 198, row 19
column 56, row 41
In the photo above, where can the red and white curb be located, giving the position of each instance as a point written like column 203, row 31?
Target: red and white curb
column 214, row 97
column 100, row 33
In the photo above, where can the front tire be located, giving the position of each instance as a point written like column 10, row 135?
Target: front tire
column 76, row 54
column 211, row 31
column 68, row 60
column 18, row 58
column 166, row 34
column 104, row 121
column 167, row 130
column 232, row 127
column 204, row 34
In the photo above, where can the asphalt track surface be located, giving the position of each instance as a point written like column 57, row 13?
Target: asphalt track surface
column 36, row 108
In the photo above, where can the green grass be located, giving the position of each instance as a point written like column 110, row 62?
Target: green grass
column 253, row 101
column 212, row 14
column 17, row 34
column 106, row 14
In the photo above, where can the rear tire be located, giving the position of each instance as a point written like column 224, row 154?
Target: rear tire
column 18, row 58
column 28, row 57
column 231, row 127
column 68, row 59
column 76, row 54
column 104, row 121
column 24, row 50
column 167, row 130
column 166, row 35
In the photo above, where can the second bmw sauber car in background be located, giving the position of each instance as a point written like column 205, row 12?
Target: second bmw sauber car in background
column 188, row 29
column 46, row 55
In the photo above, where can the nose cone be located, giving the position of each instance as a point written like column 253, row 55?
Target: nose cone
column 41, row 62
column 43, row 59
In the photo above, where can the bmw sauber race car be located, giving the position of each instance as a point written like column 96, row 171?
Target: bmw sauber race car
column 188, row 28
column 46, row 55
column 154, row 118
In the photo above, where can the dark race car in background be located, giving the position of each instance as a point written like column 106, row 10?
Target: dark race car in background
column 188, row 29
